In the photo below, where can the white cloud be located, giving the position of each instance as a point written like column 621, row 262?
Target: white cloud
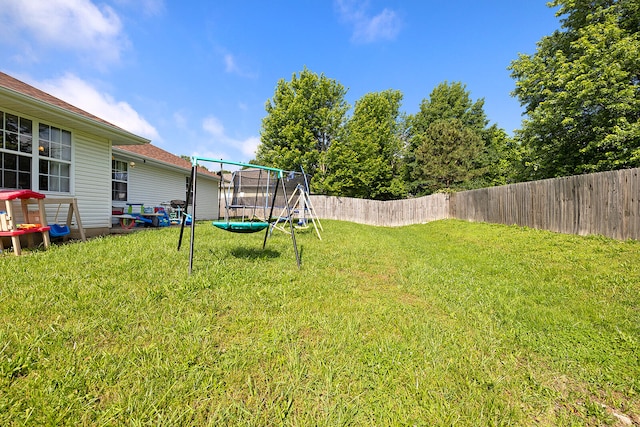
column 385, row 25
column 25, row 55
column 233, row 66
column 213, row 126
column 230, row 65
column 74, row 25
column 249, row 146
column 81, row 94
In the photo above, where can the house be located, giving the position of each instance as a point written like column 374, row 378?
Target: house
column 150, row 175
column 52, row 147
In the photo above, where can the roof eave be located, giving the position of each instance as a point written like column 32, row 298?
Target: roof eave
column 136, row 156
column 43, row 110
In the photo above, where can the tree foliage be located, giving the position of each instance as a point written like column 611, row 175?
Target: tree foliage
column 303, row 118
column 499, row 160
column 581, row 91
column 366, row 162
column 451, row 107
column 450, row 101
column 379, row 153
column 445, row 156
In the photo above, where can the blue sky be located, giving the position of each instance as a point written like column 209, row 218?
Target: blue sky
column 194, row 76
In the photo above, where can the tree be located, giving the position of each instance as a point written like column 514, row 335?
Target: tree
column 445, row 156
column 303, row 118
column 453, row 102
column 500, row 159
column 450, row 101
column 365, row 163
column 581, row 91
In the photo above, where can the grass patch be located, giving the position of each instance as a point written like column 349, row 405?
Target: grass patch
column 438, row 324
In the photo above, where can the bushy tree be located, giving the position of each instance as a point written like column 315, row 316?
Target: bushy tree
column 303, row 118
column 499, row 161
column 451, row 106
column 365, row 163
column 445, row 156
column 581, row 91
column 450, row 101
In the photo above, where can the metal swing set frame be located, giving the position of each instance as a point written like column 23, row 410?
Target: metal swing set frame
column 250, row 226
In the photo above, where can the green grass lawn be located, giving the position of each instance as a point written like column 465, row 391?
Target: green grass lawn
column 447, row 323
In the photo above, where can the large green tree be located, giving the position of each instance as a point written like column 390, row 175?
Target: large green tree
column 452, row 101
column 445, row 156
column 366, row 162
column 303, row 118
column 581, row 91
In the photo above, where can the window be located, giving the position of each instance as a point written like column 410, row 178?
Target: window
column 54, row 146
column 119, row 178
column 25, row 156
column 16, row 145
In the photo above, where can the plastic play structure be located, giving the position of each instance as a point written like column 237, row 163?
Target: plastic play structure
column 176, row 209
column 138, row 214
column 35, row 221
column 8, row 225
column 250, row 199
column 58, row 230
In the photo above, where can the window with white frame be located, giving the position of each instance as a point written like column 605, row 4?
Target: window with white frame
column 25, row 156
column 54, row 147
column 119, row 179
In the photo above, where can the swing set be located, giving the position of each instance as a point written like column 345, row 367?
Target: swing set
column 249, row 202
column 300, row 204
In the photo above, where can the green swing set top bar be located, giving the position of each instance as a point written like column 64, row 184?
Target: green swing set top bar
column 196, row 159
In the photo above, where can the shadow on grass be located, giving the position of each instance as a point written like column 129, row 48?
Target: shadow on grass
column 254, row 253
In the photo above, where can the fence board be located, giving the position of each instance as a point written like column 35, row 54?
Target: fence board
column 606, row 203
column 384, row 213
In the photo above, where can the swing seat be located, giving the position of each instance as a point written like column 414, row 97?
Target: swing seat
column 240, row 227
column 58, row 230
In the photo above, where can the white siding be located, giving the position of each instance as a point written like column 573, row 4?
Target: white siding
column 152, row 184
column 92, row 181
column 207, row 196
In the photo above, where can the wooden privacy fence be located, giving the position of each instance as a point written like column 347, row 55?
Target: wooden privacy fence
column 390, row 213
column 605, row 203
